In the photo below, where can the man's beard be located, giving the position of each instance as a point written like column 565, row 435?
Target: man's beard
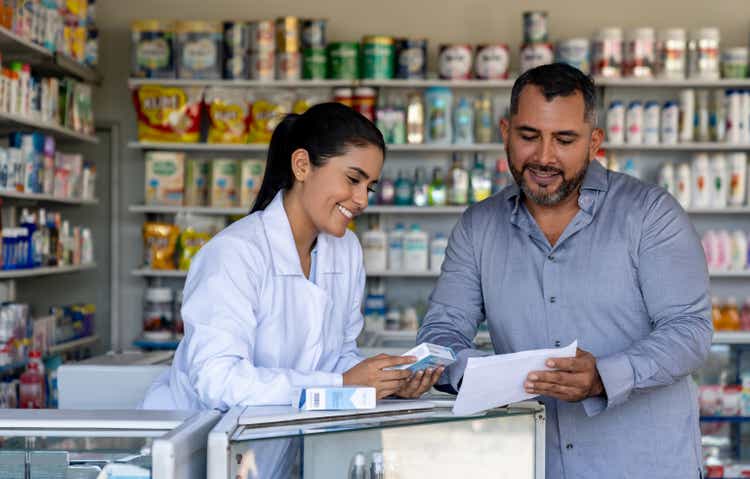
column 543, row 197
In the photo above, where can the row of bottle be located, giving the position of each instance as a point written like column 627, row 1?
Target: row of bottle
column 381, row 316
column 437, row 118
column 402, row 250
column 358, row 468
column 723, row 116
column 709, row 181
column 727, row 316
column 726, row 251
column 45, row 240
column 460, row 186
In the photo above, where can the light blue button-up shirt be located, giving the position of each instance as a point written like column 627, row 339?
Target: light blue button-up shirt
column 628, row 280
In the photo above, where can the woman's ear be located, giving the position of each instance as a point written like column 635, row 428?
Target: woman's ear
column 301, row 165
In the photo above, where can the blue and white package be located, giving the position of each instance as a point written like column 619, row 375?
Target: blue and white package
column 429, row 356
column 335, row 398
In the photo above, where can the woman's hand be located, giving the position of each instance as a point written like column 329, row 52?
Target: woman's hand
column 420, row 383
column 371, row 372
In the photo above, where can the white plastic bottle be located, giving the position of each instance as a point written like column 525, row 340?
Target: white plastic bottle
column 651, row 120
column 358, row 469
column 670, row 123
column 737, row 178
column 701, row 183
column 719, row 181
column 723, row 251
column 687, row 115
column 438, row 245
column 415, row 249
column 735, row 123
column 667, row 179
column 396, row 248
column 616, row 123
column 682, row 185
column 634, row 123
column 375, row 244
column 738, row 254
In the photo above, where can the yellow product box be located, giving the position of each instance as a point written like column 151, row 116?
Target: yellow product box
column 224, row 183
column 165, row 178
column 251, row 177
column 197, row 175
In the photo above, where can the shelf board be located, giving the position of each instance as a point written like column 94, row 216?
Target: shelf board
column 734, row 419
column 416, row 83
column 729, row 210
column 478, row 147
column 695, row 146
column 199, row 210
column 34, row 272
column 43, row 60
column 403, row 274
column 401, row 335
column 60, row 132
column 261, row 147
column 731, row 337
column 136, row 82
column 410, row 210
column 159, row 273
column 660, row 83
column 71, row 345
column 156, row 345
column 729, row 274
column 10, row 194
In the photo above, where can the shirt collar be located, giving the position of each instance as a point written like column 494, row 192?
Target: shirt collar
column 284, row 256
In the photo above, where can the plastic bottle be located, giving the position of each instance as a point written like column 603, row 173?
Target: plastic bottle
column 719, row 181
column 745, row 315
column 730, row 315
column 438, row 245
column 421, row 187
column 629, row 168
column 463, row 122
column 501, row 178
column 403, row 190
column 702, row 187
column 651, row 119
column 687, row 115
column 458, row 182
column 737, row 178
column 374, row 246
column 415, row 120
column 437, row 192
column 393, row 319
column 415, row 249
column 358, row 468
column 670, row 123
column 480, row 182
column 682, row 185
column 483, row 129
column 716, row 317
column 738, row 252
column 35, row 356
column 386, row 190
column 54, row 240
column 377, row 471
column 438, row 106
column 719, row 116
column 723, row 251
column 616, row 123
column 31, row 388
column 396, row 248
column 634, row 123
column 45, row 237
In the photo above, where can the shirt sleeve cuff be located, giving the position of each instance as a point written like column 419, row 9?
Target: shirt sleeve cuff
column 616, row 374
column 455, row 372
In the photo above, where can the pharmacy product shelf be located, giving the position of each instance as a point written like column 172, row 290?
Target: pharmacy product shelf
column 731, row 337
column 34, row 272
column 430, row 148
column 9, row 194
column 42, row 60
column 403, row 274
column 695, row 146
column 160, row 273
column 684, row 83
column 479, row 84
column 394, row 83
column 261, row 147
column 60, row 132
column 412, row 210
column 72, row 345
column 198, row 210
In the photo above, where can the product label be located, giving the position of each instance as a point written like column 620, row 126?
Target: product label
column 455, row 62
column 492, row 62
column 153, row 54
column 200, row 55
column 412, row 60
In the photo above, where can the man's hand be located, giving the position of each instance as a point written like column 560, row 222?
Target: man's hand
column 573, row 379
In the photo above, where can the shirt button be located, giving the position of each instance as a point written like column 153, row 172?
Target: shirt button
column 552, row 299
column 557, row 344
column 568, row 446
column 551, row 257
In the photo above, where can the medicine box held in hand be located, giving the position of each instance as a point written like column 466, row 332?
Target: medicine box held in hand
column 335, row 398
column 429, row 356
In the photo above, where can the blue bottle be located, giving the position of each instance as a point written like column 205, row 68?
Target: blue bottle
column 463, row 123
column 404, row 190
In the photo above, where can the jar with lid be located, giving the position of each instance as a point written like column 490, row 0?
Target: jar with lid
column 158, row 314
column 671, row 55
column 703, row 50
column 734, row 62
column 639, row 53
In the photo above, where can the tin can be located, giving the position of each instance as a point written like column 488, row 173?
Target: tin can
column 651, row 119
column 288, row 66
column 262, row 65
column 153, row 49
column 343, row 61
column 492, row 62
column 236, row 36
column 236, row 64
column 364, row 102
column 671, row 53
column 287, row 34
column 607, row 53
column 199, row 50
column 575, row 52
column 616, row 123
column 535, row 55
column 313, row 33
column 634, row 123
column 262, row 36
column 377, row 57
column 343, row 96
column 535, row 27
column 454, row 62
column 704, row 54
column 640, row 56
column 734, row 62
column 411, row 58
column 314, row 63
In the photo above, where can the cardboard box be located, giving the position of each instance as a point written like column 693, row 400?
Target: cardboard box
column 224, row 183
column 251, row 177
column 165, row 178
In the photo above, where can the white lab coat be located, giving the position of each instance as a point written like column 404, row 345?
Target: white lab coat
column 255, row 327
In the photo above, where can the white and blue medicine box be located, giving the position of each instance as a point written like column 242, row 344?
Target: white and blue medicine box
column 335, row 398
column 429, row 356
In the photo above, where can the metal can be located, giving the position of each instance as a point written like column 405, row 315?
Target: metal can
column 535, row 55
column 236, row 36
column 199, row 50
column 704, row 54
column 288, row 66
column 492, row 62
column 313, row 33
column 670, row 123
column 377, row 57
column 651, row 119
column 343, row 96
column 671, row 53
column 262, row 66
column 262, row 36
column 616, row 123
column 411, row 58
column 639, row 53
column 607, row 53
column 364, row 102
column 575, row 52
column 535, row 27
column 634, row 123
column 236, row 64
column 287, row 35
column 343, row 61
column 454, row 62
column 314, row 63
column 153, row 49
column 734, row 62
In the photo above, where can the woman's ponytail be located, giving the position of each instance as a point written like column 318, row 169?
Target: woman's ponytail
column 278, row 175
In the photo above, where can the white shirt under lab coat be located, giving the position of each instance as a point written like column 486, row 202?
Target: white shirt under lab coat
column 255, row 327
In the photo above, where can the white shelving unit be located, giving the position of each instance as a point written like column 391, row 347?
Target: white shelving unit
column 159, row 273
column 46, row 198
column 731, row 337
column 259, row 147
column 474, row 84
column 34, row 272
column 60, row 132
column 658, row 83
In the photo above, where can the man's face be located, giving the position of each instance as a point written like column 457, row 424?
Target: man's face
column 549, row 145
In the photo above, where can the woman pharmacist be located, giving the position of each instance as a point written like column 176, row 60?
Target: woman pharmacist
column 272, row 303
